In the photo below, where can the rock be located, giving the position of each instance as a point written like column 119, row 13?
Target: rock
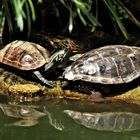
column 132, row 96
column 24, row 88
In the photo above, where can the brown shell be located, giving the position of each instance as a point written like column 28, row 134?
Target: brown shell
column 24, row 55
column 111, row 64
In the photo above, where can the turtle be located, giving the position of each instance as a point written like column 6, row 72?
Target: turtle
column 111, row 64
column 29, row 56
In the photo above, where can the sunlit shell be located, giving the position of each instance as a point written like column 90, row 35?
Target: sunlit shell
column 111, row 64
column 24, row 55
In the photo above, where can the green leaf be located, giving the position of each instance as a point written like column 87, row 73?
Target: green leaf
column 32, row 10
column 28, row 18
column 71, row 22
column 113, row 11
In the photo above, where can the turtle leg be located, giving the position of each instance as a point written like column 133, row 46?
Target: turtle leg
column 41, row 78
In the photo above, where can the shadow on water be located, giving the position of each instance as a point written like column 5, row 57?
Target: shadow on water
column 47, row 120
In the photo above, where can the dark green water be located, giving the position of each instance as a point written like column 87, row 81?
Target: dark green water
column 45, row 129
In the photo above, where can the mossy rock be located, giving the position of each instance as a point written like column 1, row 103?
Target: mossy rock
column 21, row 89
column 132, row 96
column 25, row 89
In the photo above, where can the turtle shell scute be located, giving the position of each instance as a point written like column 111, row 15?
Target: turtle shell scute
column 112, row 64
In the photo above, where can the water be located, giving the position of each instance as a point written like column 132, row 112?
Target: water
column 54, row 124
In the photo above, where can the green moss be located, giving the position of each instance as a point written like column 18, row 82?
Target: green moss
column 132, row 96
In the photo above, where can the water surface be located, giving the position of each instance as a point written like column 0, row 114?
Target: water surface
column 55, row 124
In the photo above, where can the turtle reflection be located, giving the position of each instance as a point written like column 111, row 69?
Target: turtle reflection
column 29, row 115
column 107, row 121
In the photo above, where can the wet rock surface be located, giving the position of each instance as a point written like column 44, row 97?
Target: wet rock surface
column 132, row 96
column 20, row 89
column 26, row 90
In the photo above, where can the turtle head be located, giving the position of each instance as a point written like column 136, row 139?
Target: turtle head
column 61, row 55
column 58, row 59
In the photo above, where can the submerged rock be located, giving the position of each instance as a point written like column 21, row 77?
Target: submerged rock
column 106, row 121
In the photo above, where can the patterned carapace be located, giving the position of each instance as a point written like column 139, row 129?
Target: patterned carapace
column 112, row 64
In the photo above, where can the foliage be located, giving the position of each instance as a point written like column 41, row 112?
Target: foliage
column 86, row 10
column 22, row 9
column 83, row 10
column 117, row 11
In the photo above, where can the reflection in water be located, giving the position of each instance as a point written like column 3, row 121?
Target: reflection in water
column 28, row 114
column 24, row 122
column 107, row 121
column 53, row 122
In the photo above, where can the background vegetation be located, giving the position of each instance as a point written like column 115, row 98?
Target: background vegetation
column 91, row 14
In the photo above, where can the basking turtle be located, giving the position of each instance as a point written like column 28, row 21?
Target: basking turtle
column 112, row 64
column 28, row 56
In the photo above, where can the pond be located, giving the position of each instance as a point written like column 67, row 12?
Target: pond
column 46, row 120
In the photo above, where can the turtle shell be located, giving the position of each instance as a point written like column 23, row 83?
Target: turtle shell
column 24, row 55
column 111, row 64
